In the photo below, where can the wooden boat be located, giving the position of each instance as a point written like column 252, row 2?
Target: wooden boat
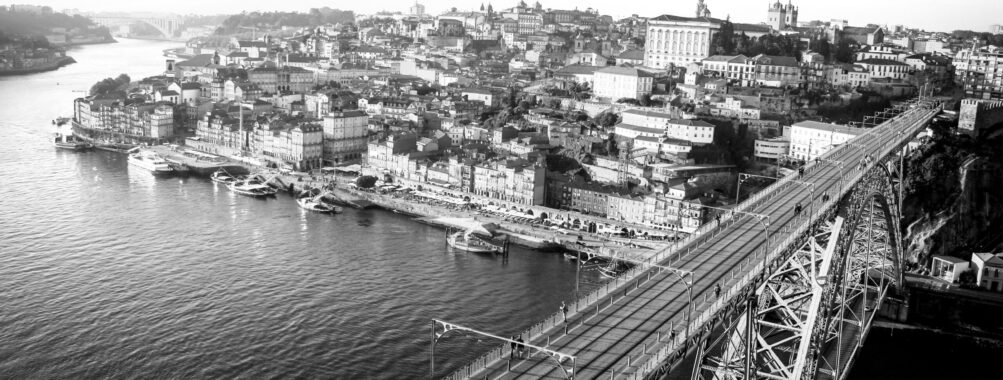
column 466, row 241
column 251, row 188
column 314, row 205
column 221, row 176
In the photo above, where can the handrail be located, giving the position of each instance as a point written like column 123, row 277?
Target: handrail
column 659, row 347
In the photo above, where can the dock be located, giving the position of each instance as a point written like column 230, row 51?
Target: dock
column 198, row 163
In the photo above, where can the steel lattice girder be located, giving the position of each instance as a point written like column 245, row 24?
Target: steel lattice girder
column 801, row 309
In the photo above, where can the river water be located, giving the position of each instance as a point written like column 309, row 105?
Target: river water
column 108, row 272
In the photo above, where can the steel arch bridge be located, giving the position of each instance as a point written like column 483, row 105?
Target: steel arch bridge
column 773, row 292
column 811, row 313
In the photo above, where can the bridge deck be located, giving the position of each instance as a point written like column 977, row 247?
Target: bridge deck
column 615, row 335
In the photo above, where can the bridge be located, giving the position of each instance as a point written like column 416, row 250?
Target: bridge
column 784, row 286
column 166, row 25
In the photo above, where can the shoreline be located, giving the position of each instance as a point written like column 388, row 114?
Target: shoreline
column 50, row 66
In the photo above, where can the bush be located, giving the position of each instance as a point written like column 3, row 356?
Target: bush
column 365, row 182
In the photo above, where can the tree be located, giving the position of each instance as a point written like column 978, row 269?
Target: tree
column 607, row 119
column 365, row 182
column 645, row 100
column 821, row 46
column 723, row 41
column 844, row 52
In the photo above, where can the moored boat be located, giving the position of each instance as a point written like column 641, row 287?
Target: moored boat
column 149, row 161
column 221, row 176
column 71, row 142
column 251, row 188
column 314, row 205
column 466, row 241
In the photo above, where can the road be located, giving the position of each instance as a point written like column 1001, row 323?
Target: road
column 638, row 317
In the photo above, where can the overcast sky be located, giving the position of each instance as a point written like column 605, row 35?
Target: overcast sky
column 926, row 14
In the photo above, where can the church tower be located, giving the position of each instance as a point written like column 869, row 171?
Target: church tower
column 792, row 15
column 702, row 10
column 777, row 16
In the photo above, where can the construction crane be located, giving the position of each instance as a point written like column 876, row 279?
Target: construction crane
column 627, row 153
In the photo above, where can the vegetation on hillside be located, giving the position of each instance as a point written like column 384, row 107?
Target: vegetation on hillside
column 986, row 38
column 276, row 20
column 726, row 42
column 109, row 85
column 26, row 23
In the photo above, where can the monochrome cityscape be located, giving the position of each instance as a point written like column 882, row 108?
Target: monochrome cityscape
column 499, row 191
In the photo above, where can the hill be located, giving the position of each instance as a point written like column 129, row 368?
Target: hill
column 276, row 20
column 37, row 24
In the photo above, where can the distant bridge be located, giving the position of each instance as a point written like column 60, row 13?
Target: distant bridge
column 772, row 291
column 167, row 25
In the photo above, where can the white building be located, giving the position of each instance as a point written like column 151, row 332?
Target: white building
column 772, row 149
column 622, row 82
column 674, row 40
column 811, row 139
column 698, row 132
column 885, row 68
column 988, row 270
column 947, row 268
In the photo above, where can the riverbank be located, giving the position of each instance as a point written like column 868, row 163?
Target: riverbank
column 531, row 233
column 48, row 66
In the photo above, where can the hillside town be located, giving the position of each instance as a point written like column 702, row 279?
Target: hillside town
column 641, row 121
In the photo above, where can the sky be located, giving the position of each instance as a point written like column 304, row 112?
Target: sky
column 930, row 15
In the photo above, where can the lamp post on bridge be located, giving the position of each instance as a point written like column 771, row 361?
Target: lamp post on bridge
column 764, row 221
column 558, row 357
column 681, row 273
column 742, row 177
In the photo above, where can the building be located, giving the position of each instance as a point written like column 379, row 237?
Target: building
column 615, row 83
column 345, row 136
column 776, row 71
column 980, row 72
column 811, row 139
column 143, row 122
column 300, row 146
column 516, row 181
column 885, row 68
column 988, row 268
column 771, row 150
column 273, row 80
column 780, row 17
column 864, row 35
column 947, row 268
column 737, row 69
column 698, row 132
column 677, row 41
column 484, row 95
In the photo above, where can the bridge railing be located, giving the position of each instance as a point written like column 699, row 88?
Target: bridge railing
column 668, row 257
column 662, row 352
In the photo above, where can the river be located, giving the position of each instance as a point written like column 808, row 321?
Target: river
column 108, row 272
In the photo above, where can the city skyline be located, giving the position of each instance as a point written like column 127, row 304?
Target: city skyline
column 977, row 15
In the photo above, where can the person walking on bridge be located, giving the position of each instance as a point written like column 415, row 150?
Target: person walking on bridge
column 564, row 310
column 797, row 209
column 717, row 290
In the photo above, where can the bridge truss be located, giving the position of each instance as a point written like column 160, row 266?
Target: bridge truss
column 810, row 314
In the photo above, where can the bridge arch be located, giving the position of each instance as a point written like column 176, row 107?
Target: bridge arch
column 166, row 26
column 811, row 309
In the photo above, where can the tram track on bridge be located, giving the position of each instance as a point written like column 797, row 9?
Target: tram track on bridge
column 748, row 232
column 826, row 177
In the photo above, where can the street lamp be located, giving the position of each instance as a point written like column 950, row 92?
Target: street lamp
column 744, row 176
column 681, row 273
column 558, row 357
column 764, row 220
